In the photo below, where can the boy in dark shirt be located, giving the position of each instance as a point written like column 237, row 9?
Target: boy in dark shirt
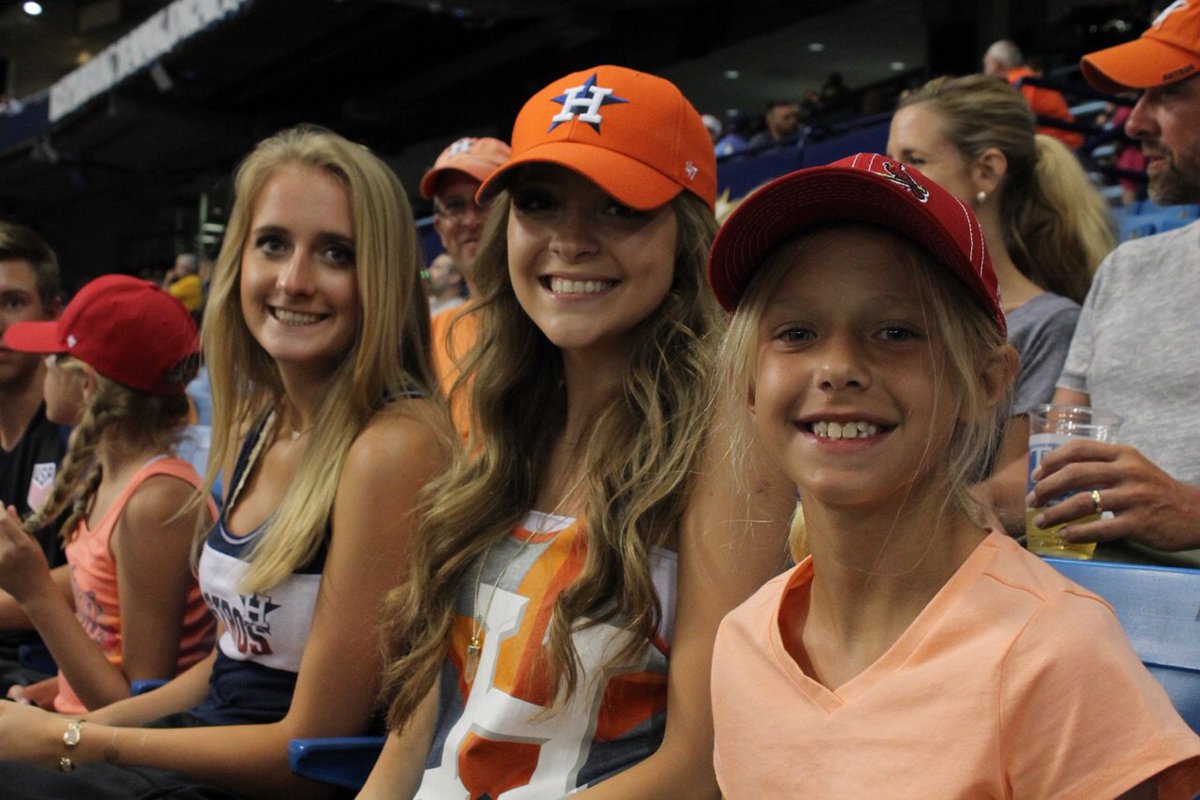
column 31, row 446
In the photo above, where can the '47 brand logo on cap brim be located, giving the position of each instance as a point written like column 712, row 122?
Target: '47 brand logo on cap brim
column 898, row 174
column 583, row 102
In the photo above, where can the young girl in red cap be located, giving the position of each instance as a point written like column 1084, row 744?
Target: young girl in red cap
column 316, row 341
column 120, row 357
column 914, row 653
column 573, row 567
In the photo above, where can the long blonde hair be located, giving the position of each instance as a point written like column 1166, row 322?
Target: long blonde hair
column 133, row 420
column 639, row 457
column 968, row 336
column 1057, row 227
column 388, row 357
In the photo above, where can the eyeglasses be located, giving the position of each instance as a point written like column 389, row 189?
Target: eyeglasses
column 456, row 208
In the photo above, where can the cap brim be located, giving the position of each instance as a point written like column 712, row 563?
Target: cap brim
column 792, row 204
column 628, row 180
column 1140, row 64
column 34, row 337
column 472, row 167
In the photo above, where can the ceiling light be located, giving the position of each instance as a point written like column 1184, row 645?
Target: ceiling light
column 816, row 47
column 897, row 66
column 732, row 74
column 32, row 9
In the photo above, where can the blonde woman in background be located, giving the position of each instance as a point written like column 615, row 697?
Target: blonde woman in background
column 1046, row 227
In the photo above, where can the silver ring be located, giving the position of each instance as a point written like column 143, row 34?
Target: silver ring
column 1097, row 506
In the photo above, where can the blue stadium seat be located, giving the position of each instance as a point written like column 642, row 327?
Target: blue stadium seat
column 1135, row 228
column 1173, row 223
column 1159, row 607
column 344, row 761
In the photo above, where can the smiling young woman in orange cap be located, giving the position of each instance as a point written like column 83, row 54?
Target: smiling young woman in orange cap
column 574, row 566
column 118, row 361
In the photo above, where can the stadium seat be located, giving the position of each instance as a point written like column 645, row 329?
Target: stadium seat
column 344, row 761
column 1159, row 609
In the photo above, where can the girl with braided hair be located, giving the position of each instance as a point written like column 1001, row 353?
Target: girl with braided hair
column 120, row 357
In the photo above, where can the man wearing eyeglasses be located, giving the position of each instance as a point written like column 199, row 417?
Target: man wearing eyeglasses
column 451, row 185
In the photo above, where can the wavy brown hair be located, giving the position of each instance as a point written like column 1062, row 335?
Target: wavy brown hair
column 1057, row 227
column 640, row 456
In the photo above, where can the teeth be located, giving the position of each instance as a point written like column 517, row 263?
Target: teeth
column 295, row 317
column 844, row 430
column 565, row 286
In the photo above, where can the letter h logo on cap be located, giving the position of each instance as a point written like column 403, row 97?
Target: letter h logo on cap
column 589, row 97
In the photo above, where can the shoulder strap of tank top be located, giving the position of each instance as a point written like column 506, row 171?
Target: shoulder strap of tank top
column 251, row 450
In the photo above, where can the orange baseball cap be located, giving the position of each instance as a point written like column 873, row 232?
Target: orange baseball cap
column 632, row 134
column 1168, row 52
column 474, row 157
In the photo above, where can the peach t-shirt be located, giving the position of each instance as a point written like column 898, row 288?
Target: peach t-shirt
column 1013, row 682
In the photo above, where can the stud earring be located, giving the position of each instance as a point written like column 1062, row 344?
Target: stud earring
column 980, row 197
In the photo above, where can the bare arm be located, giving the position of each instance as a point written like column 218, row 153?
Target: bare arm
column 185, row 691
column 397, row 773
column 733, row 541
column 1070, row 397
column 373, row 520
column 151, row 546
column 1004, row 492
column 12, row 616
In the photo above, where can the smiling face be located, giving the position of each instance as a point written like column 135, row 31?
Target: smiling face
column 299, row 285
column 851, row 387
column 916, row 139
column 585, row 268
column 458, row 219
column 1166, row 120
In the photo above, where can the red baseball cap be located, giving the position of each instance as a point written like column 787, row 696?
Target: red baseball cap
column 126, row 329
column 866, row 188
column 1168, row 52
column 632, row 134
column 474, row 157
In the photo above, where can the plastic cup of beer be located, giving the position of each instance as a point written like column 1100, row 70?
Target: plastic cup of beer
column 1051, row 426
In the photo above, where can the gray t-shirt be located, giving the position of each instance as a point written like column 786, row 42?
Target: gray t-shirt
column 1136, row 353
column 1041, row 331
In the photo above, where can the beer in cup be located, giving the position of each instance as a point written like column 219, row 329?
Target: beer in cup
column 1052, row 426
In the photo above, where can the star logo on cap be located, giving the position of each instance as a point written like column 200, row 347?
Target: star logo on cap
column 71, row 340
column 1178, row 5
column 461, row 146
column 898, row 174
column 583, row 102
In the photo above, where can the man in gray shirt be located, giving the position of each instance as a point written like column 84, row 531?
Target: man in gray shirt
column 1135, row 350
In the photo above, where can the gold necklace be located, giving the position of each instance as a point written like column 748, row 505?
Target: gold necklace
column 475, row 645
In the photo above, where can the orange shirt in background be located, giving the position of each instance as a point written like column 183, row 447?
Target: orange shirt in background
column 451, row 342
column 1046, row 103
